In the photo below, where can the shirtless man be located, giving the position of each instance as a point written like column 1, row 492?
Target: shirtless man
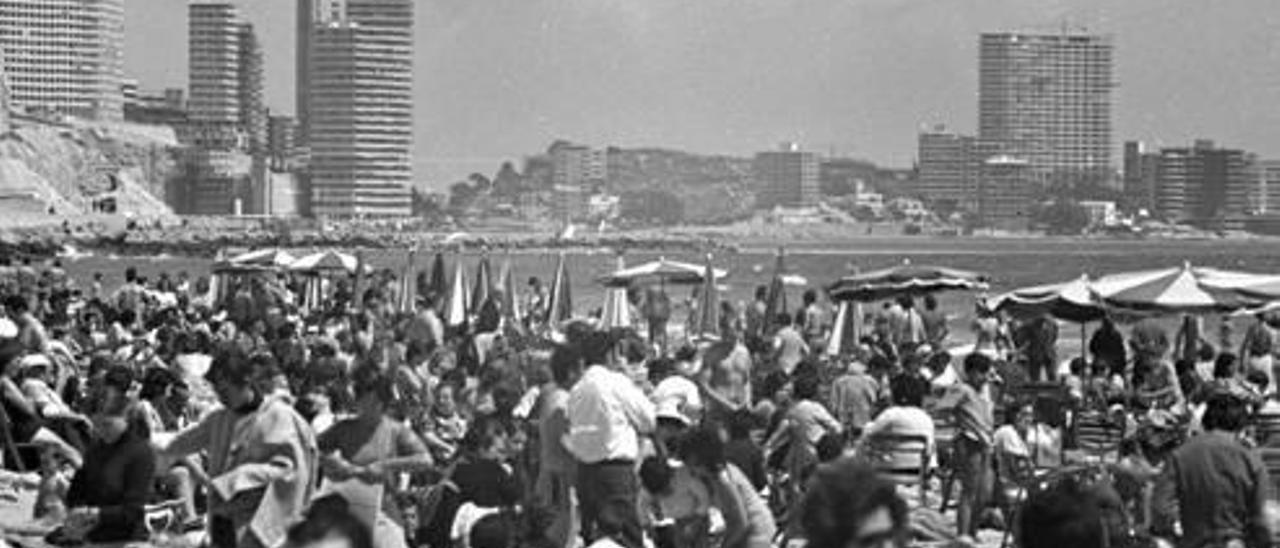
column 726, row 376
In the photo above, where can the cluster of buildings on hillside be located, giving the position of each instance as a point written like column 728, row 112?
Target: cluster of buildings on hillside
column 347, row 152
column 1044, row 121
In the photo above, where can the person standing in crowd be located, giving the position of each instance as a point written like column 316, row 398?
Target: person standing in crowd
column 657, row 312
column 725, row 376
column 1214, row 485
column 789, row 348
column 373, row 448
column 911, row 332
column 1107, row 346
column 935, row 323
column 854, row 396
column 850, row 505
column 553, row 489
column 814, row 319
column 1072, row 514
column 975, row 422
column 108, row 494
column 608, row 414
column 1258, row 345
column 755, row 318
column 747, row 520
column 31, row 331
column 1040, row 340
column 803, row 426
column 262, row 458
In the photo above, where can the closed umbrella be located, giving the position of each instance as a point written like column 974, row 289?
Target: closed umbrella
column 456, row 306
column 906, row 279
column 439, row 283
column 616, row 313
column 708, row 325
column 847, row 329
column 560, row 308
column 406, row 292
column 776, row 298
column 484, row 283
column 510, row 299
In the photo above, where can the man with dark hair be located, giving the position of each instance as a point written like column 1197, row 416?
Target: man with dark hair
column 849, row 505
column 1072, row 514
column 935, row 323
column 1214, row 485
column 608, row 415
column 262, row 457
column 975, row 422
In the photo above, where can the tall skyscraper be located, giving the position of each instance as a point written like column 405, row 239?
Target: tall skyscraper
column 787, row 177
column 225, row 74
column 1047, row 98
column 227, row 125
column 356, row 67
column 65, row 56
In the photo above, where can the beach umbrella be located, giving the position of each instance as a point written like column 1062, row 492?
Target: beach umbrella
column 616, row 313
column 510, row 304
column 661, row 271
column 327, row 261
column 439, row 283
column 456, row 306
column 1185, row 289
column 484, row 283
column 1072, row 300
column 906, row 279
column 266, row 258
column 708, row 325
column 406, row 294
column 846, row 330
column 560, row 308
column 776, row 297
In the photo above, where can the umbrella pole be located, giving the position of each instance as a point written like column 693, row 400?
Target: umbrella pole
column 1084, row 345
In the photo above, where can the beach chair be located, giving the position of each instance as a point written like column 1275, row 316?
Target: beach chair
column 1271, row 461
column 902, row 458
column 1266, row 429
column 1097, row 435
column 944, row 435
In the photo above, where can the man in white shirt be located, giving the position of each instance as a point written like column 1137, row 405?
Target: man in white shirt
column 608, row 415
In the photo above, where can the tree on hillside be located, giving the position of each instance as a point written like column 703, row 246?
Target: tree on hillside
column 507, row 182
column 657, row 206
column 1064, row 217
column 462, row 195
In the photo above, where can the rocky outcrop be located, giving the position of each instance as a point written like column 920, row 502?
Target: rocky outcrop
column 51, row 171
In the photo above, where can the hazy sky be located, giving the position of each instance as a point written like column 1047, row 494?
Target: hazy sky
column 500, row 79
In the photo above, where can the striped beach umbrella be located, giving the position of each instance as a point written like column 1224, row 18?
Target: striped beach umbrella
column 267, row 258
column 560, row 307
column 1073, row 301
column 510, row 304
column 457, row 306
column 1185, row 289
column 846, row 330
column 327, row 261
column 661, row 271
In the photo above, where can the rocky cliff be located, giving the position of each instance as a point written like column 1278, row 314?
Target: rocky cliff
column 52, row 171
